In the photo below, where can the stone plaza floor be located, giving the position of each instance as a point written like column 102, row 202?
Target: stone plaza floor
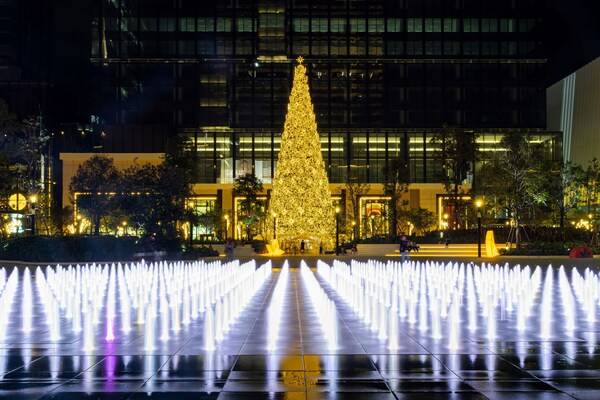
column 276, row 349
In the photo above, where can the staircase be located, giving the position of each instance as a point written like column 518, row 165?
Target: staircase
column 440, row 250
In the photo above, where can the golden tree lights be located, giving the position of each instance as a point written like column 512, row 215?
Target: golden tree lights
column 301, row 199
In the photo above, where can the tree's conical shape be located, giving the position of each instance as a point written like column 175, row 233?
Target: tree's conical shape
column 301, row 199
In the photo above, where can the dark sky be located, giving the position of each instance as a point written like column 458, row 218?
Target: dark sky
column 574, row 28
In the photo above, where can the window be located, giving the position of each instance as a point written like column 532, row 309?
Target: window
column 166, row 24
column 433, row 25
column 339, row 47
column 489, row 48
column 433, row 48
column 187, row 47
column 450, row 24
column 395, row 48
column 131, row 24
column 471, row 48
column 320, row 25
column 507, row 25
column 471, row 25
column 414, row 25
column 187, row 24
column 414, row 48
column 301, row 25
column 451, row 48
column 394, row 25
column 376, row 25
column 206, row 24
column 271, row 21
column 206, row 47
column 338, row 25
column 358, row 25
column 508, row 48
column 148, row 24
column 489, row 25
column 526, row 25
column 223, row 24
column 245, row 25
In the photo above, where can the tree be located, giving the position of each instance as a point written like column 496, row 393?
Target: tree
column 513, row 179
column 396, row 176
column 588, row 181
column 93, row 187
column 455, row 154
column 355, row 189
column 153, row 199
column 301, row 199
column 421, row 219
column 252, row 210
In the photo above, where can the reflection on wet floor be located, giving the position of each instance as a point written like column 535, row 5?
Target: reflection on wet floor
column 230, row 332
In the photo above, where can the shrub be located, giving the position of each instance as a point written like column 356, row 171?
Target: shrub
column 69, row 249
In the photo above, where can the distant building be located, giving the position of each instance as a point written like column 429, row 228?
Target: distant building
column 574, row 109
column 385, row 76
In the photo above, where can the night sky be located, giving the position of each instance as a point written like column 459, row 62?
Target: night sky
column 574, row 33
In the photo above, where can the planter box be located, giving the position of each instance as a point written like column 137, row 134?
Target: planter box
column 243, row 251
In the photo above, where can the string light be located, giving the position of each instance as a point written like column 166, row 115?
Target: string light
column 301, row 198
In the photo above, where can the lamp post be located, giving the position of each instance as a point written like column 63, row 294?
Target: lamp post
column 32, row 201
column 274, row 226
column 337, row 231
column 353, row 231
column 124, row 223
column 478, row 204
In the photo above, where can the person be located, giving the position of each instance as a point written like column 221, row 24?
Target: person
column 321, row 248
column 354, row 249
column 447, row 242
column 302, row 246
column 229, row 249
column 404, row 248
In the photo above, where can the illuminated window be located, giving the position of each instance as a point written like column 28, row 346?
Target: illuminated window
column 301, row 25
column 320, row 25
column 507, row 25
column 187, row 24
column 338, row 25
column 358, row 25
column 489, row 25
column 394, row 25
column 245, row 25
column 206, row 24
column 223, row 24
column 433, row 25
column 471, row 25
column 450, row 24
column 414, row 24
column 376, row 25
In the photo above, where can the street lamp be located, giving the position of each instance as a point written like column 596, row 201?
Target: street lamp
column 353, row 231
column 478, row 205
column 337, row 231
column 32, row 201
column 274, row 226
column 124, row 223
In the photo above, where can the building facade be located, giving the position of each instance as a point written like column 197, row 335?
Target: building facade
column 386, row 77
column 573, row 104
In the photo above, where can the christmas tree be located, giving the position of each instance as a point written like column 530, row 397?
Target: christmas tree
column 301, row 200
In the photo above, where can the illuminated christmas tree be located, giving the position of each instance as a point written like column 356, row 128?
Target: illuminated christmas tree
column 301, row 200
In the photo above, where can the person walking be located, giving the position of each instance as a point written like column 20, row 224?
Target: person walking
column 229, row 246
column 404, row 244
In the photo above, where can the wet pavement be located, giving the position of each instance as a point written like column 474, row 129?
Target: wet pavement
column 278, row 348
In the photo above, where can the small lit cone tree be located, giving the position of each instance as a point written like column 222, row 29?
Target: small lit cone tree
column 301, row 199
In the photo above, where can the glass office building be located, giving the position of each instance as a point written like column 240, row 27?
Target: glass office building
column 385, row 76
